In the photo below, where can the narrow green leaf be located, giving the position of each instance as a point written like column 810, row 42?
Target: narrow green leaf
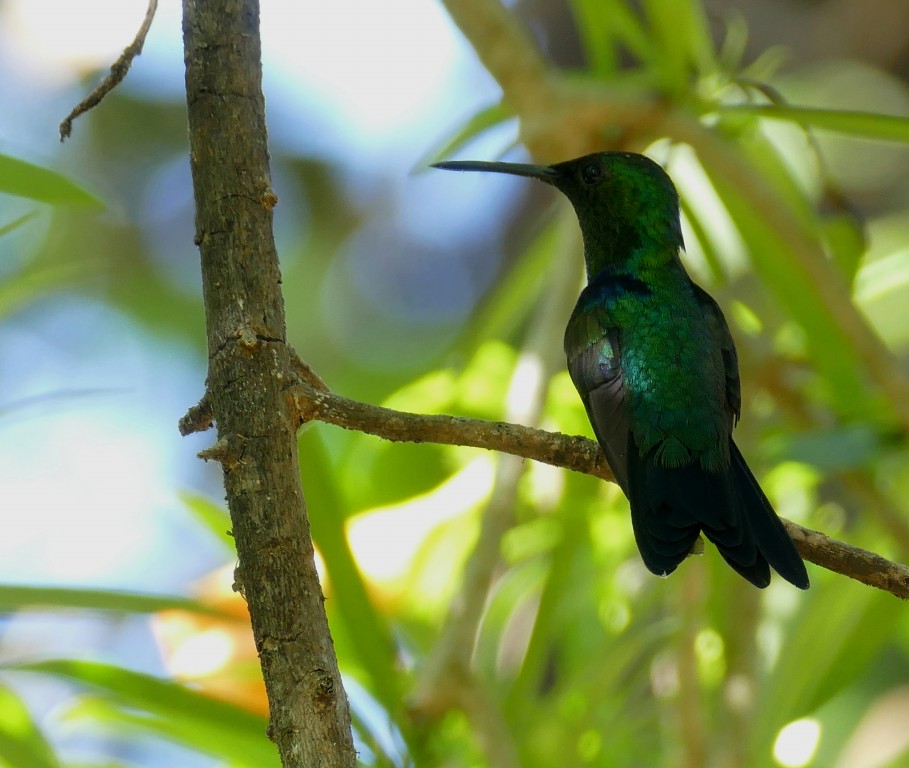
column 23, row 179
column 592, row 22
column 711, row 258
column 213, row 517
column 182, row 714
column 245, row 749
column 480, row 122
column 858, row 623
column 22, row 745
column 17, row 598
column 866, row 125
column 515, row 293
column 33, row 283
column 831, row 349
column 628, row 30
column 17, row 222
column 682, row 40
column 368, row 632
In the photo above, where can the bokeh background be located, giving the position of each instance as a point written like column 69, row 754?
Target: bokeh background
column 433, row 293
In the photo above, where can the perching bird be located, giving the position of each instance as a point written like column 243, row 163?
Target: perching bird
column 651, row 355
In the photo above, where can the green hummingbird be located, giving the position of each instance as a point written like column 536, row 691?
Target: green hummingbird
column 653, row 360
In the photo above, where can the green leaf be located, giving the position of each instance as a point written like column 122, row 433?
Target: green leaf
column 711, row 258
column 683, row 41
column 17, row 222
column 480, row 122
column 857, row 623
column 832, row 449
column 866, row 125
column 249, row 751
column 516, row 293
column 593, row 25
column 177, row 712
column 17, row 598
column 23, row 179
column 213, row 517
column 22, row 745
column 368, row 631
column 777, row 259
column 33, row 283
column 845, row 239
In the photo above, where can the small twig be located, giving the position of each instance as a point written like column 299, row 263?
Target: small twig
column 303, row 372
column 118, row 71
column 198, row 418
column 576, row 453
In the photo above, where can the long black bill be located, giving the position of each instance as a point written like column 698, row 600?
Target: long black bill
column 542, row 172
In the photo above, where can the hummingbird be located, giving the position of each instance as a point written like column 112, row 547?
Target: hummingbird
column 654, row 362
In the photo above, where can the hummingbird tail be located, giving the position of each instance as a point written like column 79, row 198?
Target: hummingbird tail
column 670, row 506
column 770, row 534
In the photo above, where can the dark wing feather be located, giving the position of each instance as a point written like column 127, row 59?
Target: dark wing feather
column 593, row 350
column 761, row 527
column 720, row 331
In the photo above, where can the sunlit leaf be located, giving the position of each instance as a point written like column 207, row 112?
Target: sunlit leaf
column 22, row 744
column 593, row 22
column 15, row 598
column 368, row 632
column 772, row 255
column 856, row 621
column 866, row 125
column 247, row 747
column 175, row 711
column 683, row 41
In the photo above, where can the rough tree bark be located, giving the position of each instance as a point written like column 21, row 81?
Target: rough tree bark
column 249, row 370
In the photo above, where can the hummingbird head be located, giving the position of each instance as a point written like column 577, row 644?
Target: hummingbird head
column 626, row 204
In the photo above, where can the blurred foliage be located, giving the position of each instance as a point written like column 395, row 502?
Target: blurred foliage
column 581, row 657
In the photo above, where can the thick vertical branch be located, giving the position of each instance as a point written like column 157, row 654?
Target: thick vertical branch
column 249, row 366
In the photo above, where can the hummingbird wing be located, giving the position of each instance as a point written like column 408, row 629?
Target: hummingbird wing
column 767, row 530
column 719, row 330
column 593, row 350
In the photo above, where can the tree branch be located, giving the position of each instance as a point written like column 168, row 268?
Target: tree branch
column 249, row 367
column 576, row 453
column 118, row 71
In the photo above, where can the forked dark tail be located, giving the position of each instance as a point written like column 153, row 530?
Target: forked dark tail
column 770, row 534
column 670, row 506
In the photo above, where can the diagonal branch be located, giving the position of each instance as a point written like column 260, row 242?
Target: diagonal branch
column 118, row 70
column 571, row 452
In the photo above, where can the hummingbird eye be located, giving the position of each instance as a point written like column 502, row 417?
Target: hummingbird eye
column 592, row 173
